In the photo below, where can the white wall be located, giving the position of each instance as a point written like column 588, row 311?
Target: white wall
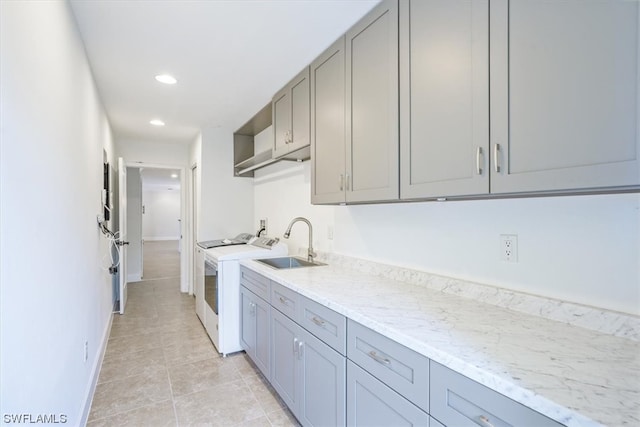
column 134, row 225
column 54, row 293
column 226, row 202
column 152, row 152
column 583, row 249
column 161, row 214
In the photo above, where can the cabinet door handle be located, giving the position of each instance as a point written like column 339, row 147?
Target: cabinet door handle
column 347, row 180
column 484, row 421
column 496, row 157
column 300, row 349
column 295, row 345
column 317, row 321
column 341, row 182
column 478, row 162
column 253, row 308
column 375, row 356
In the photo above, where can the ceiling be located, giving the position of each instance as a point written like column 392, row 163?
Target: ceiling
column 230, row 57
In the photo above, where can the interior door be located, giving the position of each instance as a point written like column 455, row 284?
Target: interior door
column 122, row 208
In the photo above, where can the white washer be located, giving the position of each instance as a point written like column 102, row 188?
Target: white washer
column 222, row 288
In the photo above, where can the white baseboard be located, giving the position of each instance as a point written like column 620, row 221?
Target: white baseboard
column 95, row 373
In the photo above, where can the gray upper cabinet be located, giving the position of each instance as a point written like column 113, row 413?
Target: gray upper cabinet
column 444, row 98
column 354, row 113
column 328, row 131
column 564, row 95
column 372, row 122
column 290, row 109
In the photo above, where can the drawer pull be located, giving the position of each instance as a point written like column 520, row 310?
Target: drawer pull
column 484, row 421
column 284, row 300
column 375, row 356
column 317, row 321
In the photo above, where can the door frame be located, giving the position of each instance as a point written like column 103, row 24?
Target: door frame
column 185, row 213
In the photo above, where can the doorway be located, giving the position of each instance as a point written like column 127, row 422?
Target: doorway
column 154, row 223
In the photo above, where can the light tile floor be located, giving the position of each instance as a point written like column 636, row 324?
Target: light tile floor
column 161, row 369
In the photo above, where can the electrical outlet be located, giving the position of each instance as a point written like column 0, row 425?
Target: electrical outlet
column 263, row 224
column 330, row 232
column 509, row 247
column 86, row 351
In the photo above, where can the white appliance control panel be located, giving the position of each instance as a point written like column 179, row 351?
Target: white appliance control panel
column 265, row 242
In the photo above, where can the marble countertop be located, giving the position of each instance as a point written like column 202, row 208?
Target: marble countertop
column 576, row 376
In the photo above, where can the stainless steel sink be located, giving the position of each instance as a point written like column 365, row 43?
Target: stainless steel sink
column 288, row 262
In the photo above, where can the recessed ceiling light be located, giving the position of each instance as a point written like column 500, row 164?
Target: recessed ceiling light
column 166, row 79
column 157, row 122
column 174, row 175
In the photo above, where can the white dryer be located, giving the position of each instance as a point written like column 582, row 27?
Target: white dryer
column 222, row 288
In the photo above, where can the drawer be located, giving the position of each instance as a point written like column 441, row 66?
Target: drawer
column 457, row 400
column 402, row 369
column 285, row 300
column 255, row 282
column 324, row 323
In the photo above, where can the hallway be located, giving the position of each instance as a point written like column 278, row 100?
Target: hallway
column 161, row 369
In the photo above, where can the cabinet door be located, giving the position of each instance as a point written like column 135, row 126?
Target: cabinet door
column 371, row 403
column 300, row 103
column 564, row 94
column 281, row 110
column 263, row 337
column 444, row 96
column 328, row 125
column 323, row 383
column 372, row 103
column 248, row 322
column 284, row 354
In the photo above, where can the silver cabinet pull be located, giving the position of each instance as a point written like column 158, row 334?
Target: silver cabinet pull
column 484, row 421
column 478, row 163
column 252, row 307
column 296, row 345
column 283, row 300
column 347, row 180
column 317, row 321
column 300, row 349
column 375, row 356
column 496, row 157
column 341, row 182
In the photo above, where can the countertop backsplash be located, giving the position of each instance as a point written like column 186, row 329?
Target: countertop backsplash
column 596, row 319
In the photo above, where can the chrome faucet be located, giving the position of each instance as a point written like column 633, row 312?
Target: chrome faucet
column 310, row 252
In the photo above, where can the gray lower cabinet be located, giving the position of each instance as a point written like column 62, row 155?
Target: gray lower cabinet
column 444, row 98
column 308, row 374
column 565, row 95
column 459, row 401
column 255, row 334
column 371, row 403
column 300, row 346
